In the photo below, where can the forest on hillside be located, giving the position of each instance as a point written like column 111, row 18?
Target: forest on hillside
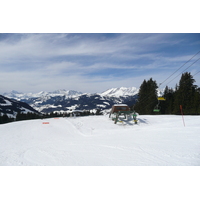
column 28, row 116
column 185, row 95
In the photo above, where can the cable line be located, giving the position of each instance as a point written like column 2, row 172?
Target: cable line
column 183, row 71
column 196, row 73
column 180, row 68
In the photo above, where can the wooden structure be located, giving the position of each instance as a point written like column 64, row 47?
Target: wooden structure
column 122, row 109
column 119, row 107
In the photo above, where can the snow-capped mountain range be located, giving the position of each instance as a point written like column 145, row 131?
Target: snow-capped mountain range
column 19, row 95
column 63, row 100
column 114, row 92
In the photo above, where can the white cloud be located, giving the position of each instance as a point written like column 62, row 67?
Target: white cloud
column 34, row 62
column 42, row 46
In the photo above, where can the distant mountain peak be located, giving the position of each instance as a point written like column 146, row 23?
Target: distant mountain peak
column 59, row 91
column 121, row 91
column 15, row 92
column 65, row 92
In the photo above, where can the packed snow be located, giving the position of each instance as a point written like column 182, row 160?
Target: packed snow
column 157, row 140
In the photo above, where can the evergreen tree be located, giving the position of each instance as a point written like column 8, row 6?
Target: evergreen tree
column 196, row 102
column 168, row 105
column 98, row 112
column 147, row 97
column 18, row 116
column 1, row 120
column 185, row 95
column 5, row 119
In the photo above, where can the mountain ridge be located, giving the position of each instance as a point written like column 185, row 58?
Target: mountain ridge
column 11, row 107
column 64, row 100
column 120, row 91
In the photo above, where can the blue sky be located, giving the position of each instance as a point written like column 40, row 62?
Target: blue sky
column 93, row 62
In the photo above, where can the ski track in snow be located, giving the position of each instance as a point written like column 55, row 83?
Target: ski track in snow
column 97, row 141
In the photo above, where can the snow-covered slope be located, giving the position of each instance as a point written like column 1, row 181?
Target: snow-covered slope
column 96, row 140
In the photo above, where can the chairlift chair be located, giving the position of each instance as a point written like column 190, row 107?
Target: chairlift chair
column 156, row 109
column 161, row 99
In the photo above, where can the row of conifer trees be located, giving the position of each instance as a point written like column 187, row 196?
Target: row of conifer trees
column 27, row 116
column 186, row 94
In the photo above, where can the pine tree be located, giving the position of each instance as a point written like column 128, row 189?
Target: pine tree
column 18, row 116
column 196, row 102
column 168, row 106
column 185, row 95
column 147, row 97
column 5, row 119
column 1, row 120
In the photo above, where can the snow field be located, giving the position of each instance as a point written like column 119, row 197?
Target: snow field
column 159, row 140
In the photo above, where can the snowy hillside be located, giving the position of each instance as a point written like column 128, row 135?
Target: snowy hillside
column 96, row 140
column 12, row 107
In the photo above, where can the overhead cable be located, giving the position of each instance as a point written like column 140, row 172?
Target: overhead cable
column 184, row 70
column 180, row 68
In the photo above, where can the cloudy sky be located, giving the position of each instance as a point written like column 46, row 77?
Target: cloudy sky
column 94, row 62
